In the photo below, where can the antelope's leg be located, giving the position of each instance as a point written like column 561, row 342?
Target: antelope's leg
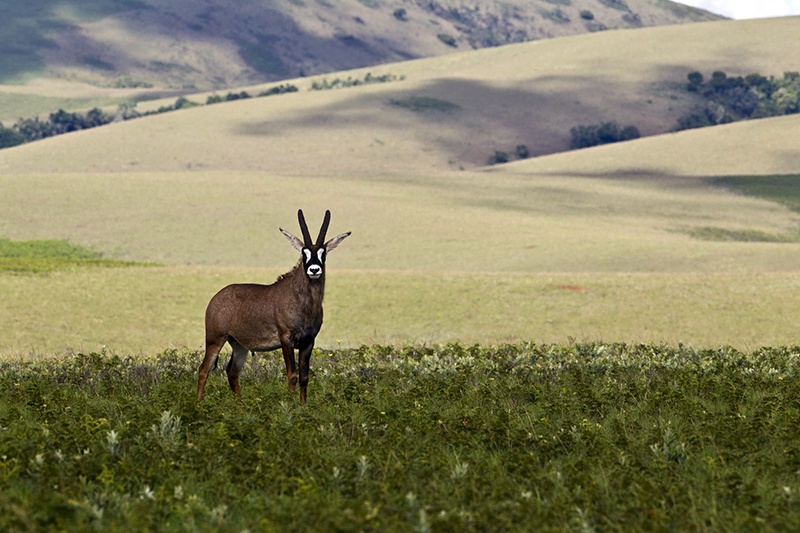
column 304, row 361
column 213, row 348
column 288, row 357
column 234, row 366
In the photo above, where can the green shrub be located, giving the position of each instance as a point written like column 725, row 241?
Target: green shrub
column 499, row 157
column 604, row 133
column 616, row 4
column 732, row 98
column 338, row 83
column 10, row 137
column 558, row 16
column 448, row 39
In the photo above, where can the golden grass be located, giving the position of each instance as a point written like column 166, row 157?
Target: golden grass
column 146, row 310
column 447, row 222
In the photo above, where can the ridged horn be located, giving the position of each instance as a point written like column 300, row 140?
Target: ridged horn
column 304, row 228
column 324, row 229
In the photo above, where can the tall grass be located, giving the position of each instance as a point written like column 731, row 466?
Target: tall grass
column 552, row 437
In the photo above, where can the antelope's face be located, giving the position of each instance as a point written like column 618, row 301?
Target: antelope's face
column 314, row 253
column 314, row 261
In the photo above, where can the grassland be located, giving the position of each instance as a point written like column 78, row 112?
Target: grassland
column 585, row 437
column 441, row 250
column 141, row 311
column 479, row 258
column 634, row 392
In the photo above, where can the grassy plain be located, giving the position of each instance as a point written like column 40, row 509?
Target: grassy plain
column 505, row 221
column 471, row 258
column 137, row 310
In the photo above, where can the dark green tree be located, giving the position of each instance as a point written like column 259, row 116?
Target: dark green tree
column 10, row 137
column 695, row 81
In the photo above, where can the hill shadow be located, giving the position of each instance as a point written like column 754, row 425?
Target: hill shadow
column 269, row 42
column 27, row 27
column 471, row 119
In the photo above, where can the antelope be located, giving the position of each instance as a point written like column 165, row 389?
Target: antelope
column 259, row 318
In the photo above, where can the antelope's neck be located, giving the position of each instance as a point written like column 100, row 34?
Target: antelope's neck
column 311, row 290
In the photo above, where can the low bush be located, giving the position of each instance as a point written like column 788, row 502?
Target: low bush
column 604, row 133
column 582, row 436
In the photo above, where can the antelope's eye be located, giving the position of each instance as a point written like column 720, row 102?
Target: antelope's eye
column 321, row 255
column 307, row 253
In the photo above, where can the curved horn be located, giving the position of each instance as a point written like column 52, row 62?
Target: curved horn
column 304, row 228
column 324, row 229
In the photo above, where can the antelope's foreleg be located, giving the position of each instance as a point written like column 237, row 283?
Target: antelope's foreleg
column 212, row 352
column 288, row 357
column 304, row 362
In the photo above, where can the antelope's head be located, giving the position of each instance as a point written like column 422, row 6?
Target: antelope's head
column 314, row 253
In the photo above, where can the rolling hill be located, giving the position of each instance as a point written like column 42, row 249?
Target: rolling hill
column 216, row 44
column 446, row 113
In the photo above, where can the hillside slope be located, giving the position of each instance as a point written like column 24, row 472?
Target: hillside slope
column 208, row 185
column 754, row 148
column 217, row 44
column 443, row 113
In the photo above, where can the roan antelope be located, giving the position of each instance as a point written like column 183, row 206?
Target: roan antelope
column 260, row 318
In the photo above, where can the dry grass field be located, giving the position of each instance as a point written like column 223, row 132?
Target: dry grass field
column 142, row 311
column 599, row 244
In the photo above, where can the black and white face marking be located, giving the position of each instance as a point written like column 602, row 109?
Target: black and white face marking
column 314, row 265
column 313, row 254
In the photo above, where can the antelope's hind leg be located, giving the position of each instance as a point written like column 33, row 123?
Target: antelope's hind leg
column 210, row 360
column 288, row 358
column 235, row 365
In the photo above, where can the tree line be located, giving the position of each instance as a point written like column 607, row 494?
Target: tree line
column 722, row 99
column 728, row 99
column 32, row 129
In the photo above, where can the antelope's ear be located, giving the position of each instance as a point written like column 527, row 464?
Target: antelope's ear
column 333, row 243
column 296, row 243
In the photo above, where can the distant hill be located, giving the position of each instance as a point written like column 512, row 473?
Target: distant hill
column 214, row 44
column 445, row 113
